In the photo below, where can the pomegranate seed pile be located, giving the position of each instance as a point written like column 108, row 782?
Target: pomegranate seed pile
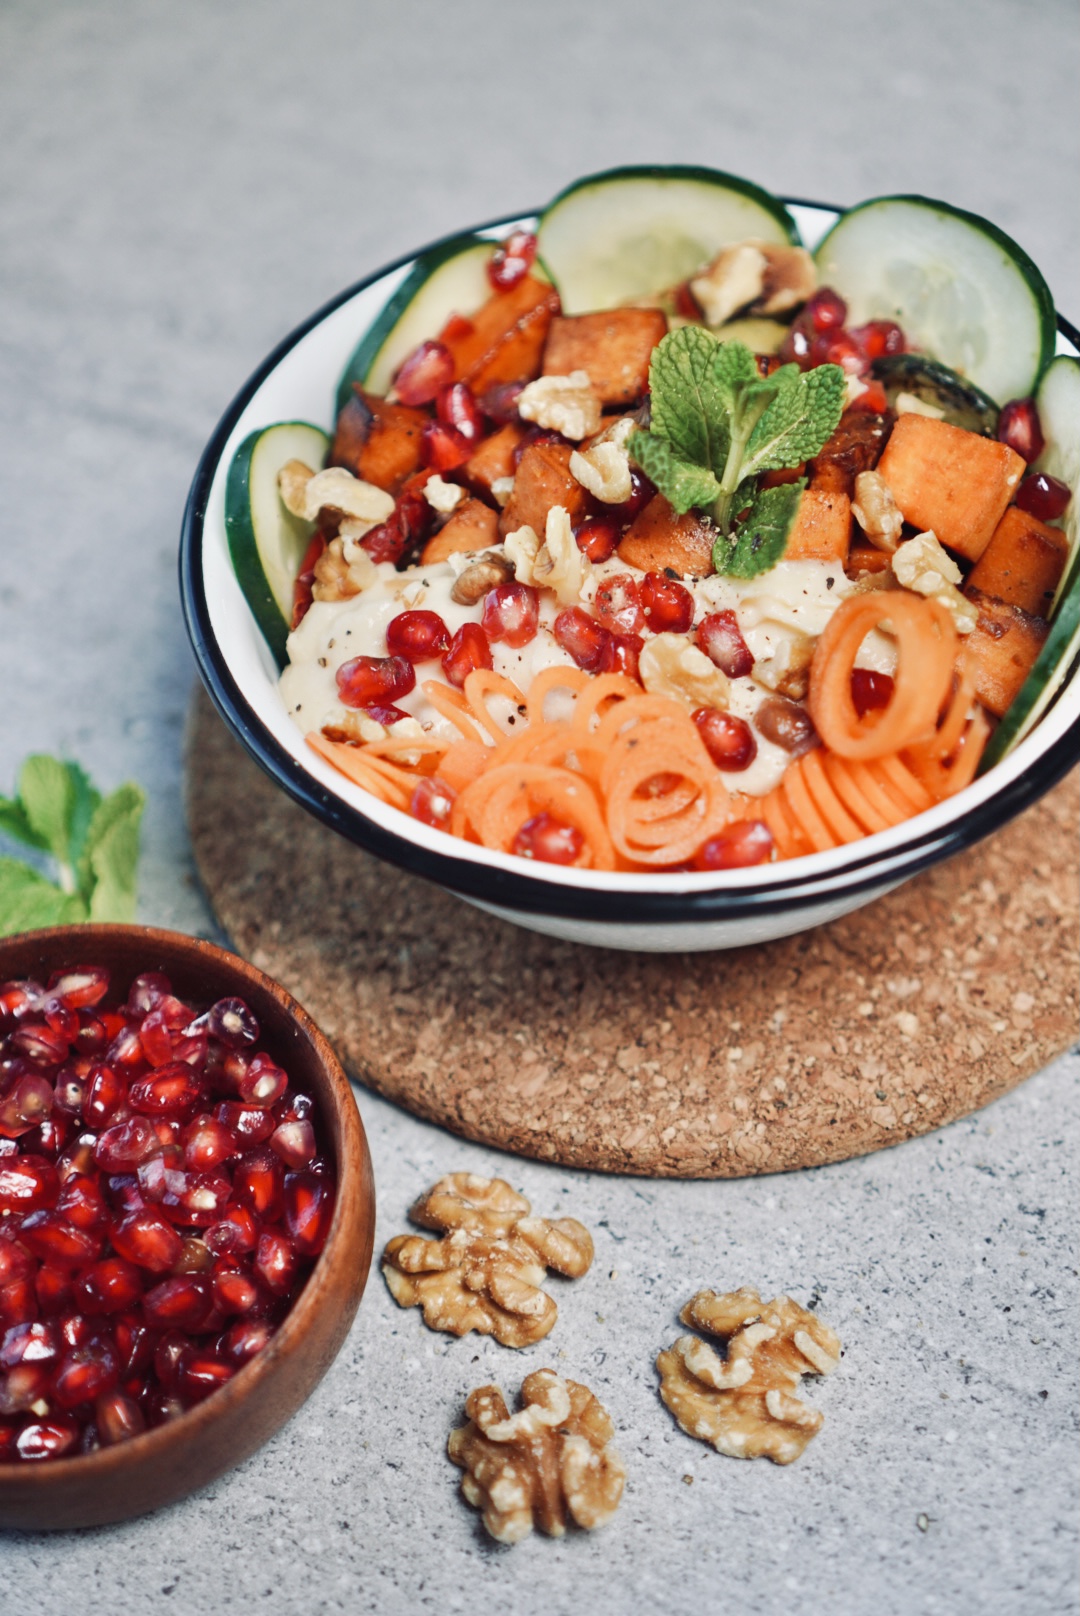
column 162, row 1200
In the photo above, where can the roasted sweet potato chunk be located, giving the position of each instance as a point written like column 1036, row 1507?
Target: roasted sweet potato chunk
column 494, row 459
column 864, row 558
column 855, row 446
column 956, row 482
column 614, row 347
column 822, row 529
column 659, row 539
column 473, row 526
column 504, row 340
column 1003, row 645
column 377, row 441
column 543, row 479
column 1022, row 563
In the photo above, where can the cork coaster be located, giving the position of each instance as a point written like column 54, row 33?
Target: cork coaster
column 901, row 1017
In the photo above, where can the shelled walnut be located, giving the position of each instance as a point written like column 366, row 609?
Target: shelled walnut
column 745, row 1403
column 550, row 1461
column 486, row 1273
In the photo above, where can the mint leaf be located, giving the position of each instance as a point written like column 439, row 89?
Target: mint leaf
column 47, row 796
column 688, row 405
column 681, row 484
column 86, row 801
column 734, row 366
column 14, row 823
column 28, row 901
column 801, row 418
column 760, row 539
column 111, row 855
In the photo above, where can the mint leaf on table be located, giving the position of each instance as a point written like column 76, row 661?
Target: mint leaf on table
column 28, row 901
column 111, row 855
column 14, row 823
column 47, row 796
column 682, row 484
column 760, row 537
column 800, row 420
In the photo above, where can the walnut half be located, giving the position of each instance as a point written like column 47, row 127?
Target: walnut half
column 486, row 1272
column 550, row 1461
column 745, row 1403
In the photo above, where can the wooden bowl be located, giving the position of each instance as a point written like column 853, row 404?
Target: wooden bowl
column 174, row 1459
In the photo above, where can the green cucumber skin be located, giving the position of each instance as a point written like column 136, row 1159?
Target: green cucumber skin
column 681, row 171
column 1026, row 265
column 367, row 349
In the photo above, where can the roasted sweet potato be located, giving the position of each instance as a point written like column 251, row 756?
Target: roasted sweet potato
column 855, row 446
column 658, row 539
column 1022, row 563
column 473, row 526
column 1004, row 644
column 864, row 558
column 542, row 480
column 493, row 459
column 504, row 340
column 953, row 481
column 615, row 349
column 822, row 530
column 377, row 441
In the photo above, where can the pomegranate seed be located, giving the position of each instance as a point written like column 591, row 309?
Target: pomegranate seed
column 195, row 1257
column 78, row 1157
column 113, row 1285
column 275, row 1262
column 125, row 1193
column 18, row 1302
column 263, row 1084
column 81, row 987
column 873, row 399
column 54, row 1240
column 147, row 992
column 81, row 1202
column 304, row 584
column 207, row 1143
column 870, row 691
column 668, row 606
column 242, row 1341
column 499, row 403
column 878, row 337
column 169, row 1357
column 144, row 1238
column 29, row 1343
column 180, row 1303
column 24, row 1385
column 618, row 605
column 117, row 1417
column 161, row 1408
column 536, row 434
column 49, row 1137
column 236, row 1292
column 427, row 370
column 368, row 679
column 641, row 491
column 47, row 1438
column 18, row 999
column 456, row 407
column 549, row 840
column 135, row 1343
column 582, row 637
column 598, row 538
column 787, row 725
column 125, row 1049
column 1044, row 497
column 91, row 1037
column 469, row 649
column 417, row 636
column 621, row 654
column 160, row 1030
column 444, row 448
column 294, row 1142
column 40, row 1043
column 833, row 347
column 247, row 1124
column 55, row 1286
column 15, row 1262
column 1019, row 427
column 69, row 1093
column 233, row 1022
column 386, row 715
column 432, row 802
column 511, row 262
column 61, row 1020
column 122, row 1147
column 795, row 348
column 258, row 1184
column 825, row 310
column 203, row 1374
column 105, row 1093
column 27, row 1183
column 309, row 1210
column 686, row 303
column 385, row 542
column 295, row 1107
column 85, row 1373
column 729, row 740
column 720, row 637
column 237, row 1232
column 748, row 841
column 511, row 614
column 173, row 1091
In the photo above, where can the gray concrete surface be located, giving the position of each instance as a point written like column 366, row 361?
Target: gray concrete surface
column 179, row 186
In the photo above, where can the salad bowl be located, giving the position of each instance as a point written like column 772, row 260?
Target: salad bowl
column 668, row 911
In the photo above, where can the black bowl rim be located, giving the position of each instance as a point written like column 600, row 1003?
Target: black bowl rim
column 862, row 876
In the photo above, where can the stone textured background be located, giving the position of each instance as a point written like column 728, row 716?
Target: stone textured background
column 179, row 186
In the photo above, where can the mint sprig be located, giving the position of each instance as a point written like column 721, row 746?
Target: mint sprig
column 90, row 842
column 717, row 426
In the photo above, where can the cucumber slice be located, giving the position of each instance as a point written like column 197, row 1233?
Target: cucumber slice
column 960, row 288
column 266, row 542
column 963, row 404
column 450, row 279
column 633, row 232
column 1058, row 400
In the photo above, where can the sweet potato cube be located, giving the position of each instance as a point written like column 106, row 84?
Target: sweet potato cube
column 855, row 446
column 864, row 558
column 494, row 459
column 377, row 441
column 473, row 526
column 504, row 340
column 615, row 349
column 1004, row 644
column 1022, row 563
column 659, row 539
column 543, row 479
column 822, row 529
column 953, row 481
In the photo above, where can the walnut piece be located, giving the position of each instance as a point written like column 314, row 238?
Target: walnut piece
column 342, row 571
column 549, row 1461
column 565, row 404
column 788, row 670
column 485, row 573
column 486, row 1272
column 759, row 276
column 305, row 493
column 604, row 470
column 876, row 511
column 559, row 563
column 920, row 564
column 443, row 496
column 670, row 665
column 745, row 1403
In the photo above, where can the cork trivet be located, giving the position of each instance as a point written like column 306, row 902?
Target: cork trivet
column 888, row 1023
